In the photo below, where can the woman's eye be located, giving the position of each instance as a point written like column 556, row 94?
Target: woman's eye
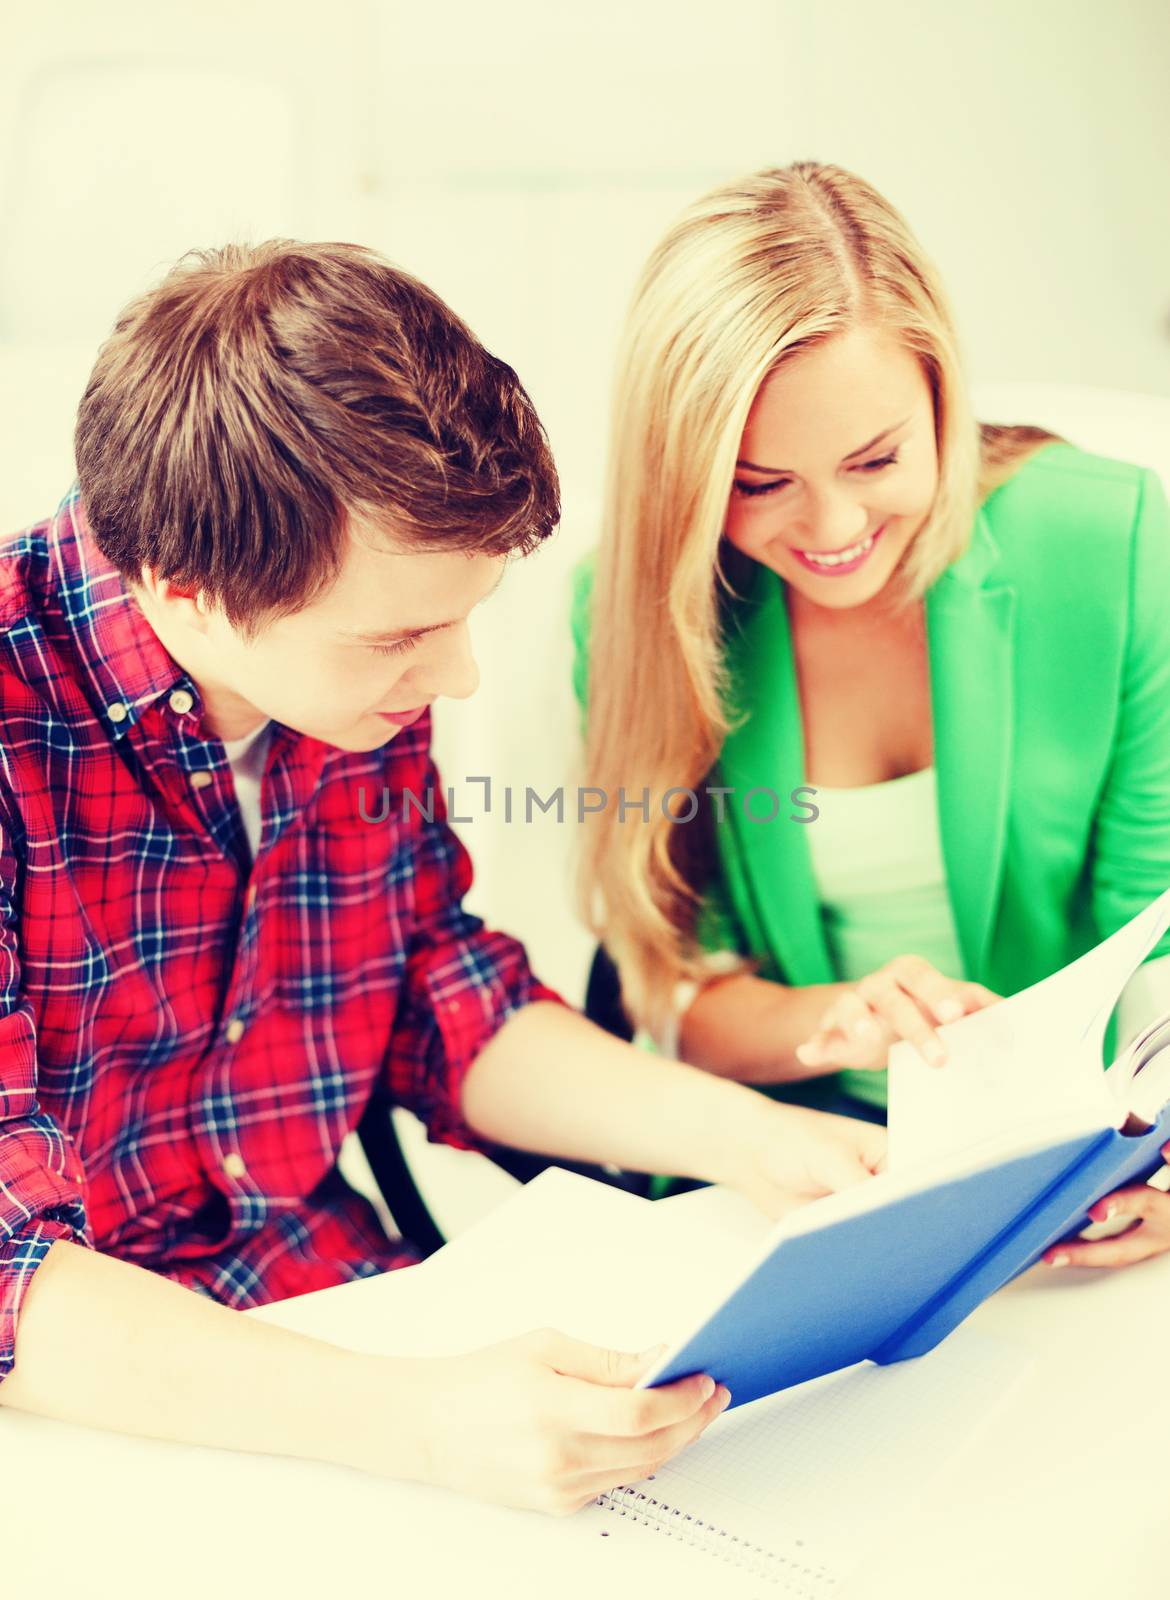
column 880, row 462
column 750, row 489
column 759, row 488
column 398, row 648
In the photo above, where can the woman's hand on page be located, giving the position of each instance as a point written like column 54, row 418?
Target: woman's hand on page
column 906, row 999
column 795, row 1155
column 1149, row 1235
column 547, row 1423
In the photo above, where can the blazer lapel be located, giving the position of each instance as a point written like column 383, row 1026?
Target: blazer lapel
column 768, row 862
column 971, row 623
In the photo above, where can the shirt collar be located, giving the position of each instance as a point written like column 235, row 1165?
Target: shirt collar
column 119, row 652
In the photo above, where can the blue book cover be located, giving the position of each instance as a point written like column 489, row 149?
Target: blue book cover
column 885, row 1271
column 891, row 1281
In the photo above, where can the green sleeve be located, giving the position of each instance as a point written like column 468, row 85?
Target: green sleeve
column 580, row 621
column 1131, row 854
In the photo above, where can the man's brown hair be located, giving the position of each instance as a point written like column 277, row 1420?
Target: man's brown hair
column 242, row 408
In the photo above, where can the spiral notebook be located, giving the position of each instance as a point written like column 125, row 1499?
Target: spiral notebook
column 794, row 1493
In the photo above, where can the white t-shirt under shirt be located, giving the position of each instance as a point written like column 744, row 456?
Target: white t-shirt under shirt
column 247, row 757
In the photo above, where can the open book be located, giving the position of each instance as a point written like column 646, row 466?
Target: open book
column 994, row 1157
column 789, row 1496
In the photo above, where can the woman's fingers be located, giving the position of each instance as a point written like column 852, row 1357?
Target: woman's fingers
column 941, row 998
column 850, row 1035
column 1146, row 1207
column 976, row 996
column 906, row 999
column 902, row 1014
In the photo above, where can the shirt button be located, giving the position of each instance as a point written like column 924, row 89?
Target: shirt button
column 235, row 1030
column 233, row 1164
column 201, row 779
column 118, row 712
column 181, row 701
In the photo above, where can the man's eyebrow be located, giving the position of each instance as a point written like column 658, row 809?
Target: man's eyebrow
column 777, row 472
column 394, row 635
column 397, row 635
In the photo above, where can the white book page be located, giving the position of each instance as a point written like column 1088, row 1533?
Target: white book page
column 1146, row 997
column 1034, row 1056
column 1143, row 1081
column 564, row 1252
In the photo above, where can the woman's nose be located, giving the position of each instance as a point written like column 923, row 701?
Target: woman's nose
column 831, row 521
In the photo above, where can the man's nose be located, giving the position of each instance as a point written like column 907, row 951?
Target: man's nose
column 454, row 673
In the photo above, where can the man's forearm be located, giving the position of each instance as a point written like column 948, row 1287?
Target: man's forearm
column 109, row 1345
column 551, row 1081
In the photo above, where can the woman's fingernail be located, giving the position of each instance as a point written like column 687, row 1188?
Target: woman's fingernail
column 724, row 1398
column 707, row 1389
column 1058, row 1260
column 935, row 1053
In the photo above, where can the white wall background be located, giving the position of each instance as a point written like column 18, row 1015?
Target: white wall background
column 522, row 157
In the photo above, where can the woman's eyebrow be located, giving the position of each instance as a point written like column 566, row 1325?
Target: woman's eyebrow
column 778, row 472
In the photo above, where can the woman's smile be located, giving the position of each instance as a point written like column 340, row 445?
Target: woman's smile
column 838, row 563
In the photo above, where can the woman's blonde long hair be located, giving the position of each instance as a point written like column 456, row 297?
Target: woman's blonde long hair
column 748, row 275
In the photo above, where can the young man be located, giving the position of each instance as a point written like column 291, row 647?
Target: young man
column 299, row 473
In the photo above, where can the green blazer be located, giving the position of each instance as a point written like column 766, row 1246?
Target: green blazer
column 1049, row 648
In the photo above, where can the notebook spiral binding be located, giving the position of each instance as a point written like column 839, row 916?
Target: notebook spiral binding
column 800, row 1580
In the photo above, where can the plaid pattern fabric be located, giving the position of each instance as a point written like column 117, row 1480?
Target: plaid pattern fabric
column 186, row 1037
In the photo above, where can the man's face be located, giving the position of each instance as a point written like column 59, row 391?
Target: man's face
column 362, row 661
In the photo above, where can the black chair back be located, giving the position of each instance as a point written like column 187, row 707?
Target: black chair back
column 383, row 1150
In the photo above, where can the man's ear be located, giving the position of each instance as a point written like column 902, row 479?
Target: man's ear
column 186, row 605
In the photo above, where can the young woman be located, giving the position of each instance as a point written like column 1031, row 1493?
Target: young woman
column 820, row 579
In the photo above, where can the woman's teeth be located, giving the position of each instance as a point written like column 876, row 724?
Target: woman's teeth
column 839, row 557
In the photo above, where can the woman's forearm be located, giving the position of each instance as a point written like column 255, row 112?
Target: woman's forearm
column 748, row 1028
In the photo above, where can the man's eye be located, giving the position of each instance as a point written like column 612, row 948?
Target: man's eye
column 398, row 648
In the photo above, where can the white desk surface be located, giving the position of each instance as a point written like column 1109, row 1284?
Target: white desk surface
column 1066, row 1491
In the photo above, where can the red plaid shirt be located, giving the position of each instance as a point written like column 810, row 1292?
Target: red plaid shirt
column 187, row 1037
